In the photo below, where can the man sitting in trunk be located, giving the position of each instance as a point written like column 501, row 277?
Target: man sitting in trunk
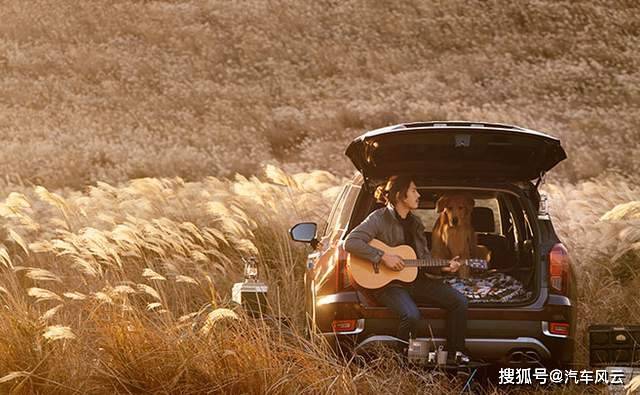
column 395, row 225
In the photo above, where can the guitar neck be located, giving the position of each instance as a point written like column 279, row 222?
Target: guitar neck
column 428, row 262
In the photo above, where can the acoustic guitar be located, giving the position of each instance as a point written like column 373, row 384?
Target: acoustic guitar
column 363, row 274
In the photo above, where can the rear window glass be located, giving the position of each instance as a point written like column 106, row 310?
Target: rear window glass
column 347, row 207
column 329, row 226
column 341, row 212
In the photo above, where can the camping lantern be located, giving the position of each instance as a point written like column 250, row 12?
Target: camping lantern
column 250, row 269
column 251, row 294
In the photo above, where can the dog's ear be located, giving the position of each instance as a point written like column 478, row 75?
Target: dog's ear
column 441, row 203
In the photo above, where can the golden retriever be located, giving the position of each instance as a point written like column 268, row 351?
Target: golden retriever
column 453, row 235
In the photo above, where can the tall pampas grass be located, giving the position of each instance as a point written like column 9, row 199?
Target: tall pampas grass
column 126, row 296
column 112, row 296
column 597, row 221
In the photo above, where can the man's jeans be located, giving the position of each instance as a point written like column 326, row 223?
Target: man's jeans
column 403, row 299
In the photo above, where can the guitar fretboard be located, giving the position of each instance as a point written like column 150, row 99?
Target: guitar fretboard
column 429, row 262
column 437, row 262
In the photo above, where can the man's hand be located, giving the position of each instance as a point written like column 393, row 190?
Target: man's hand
column 454, row 265
column 393, row 262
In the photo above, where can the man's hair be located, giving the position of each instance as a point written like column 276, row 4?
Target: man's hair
column 394, row 189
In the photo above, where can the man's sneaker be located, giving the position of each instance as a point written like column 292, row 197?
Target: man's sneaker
column 462, row 358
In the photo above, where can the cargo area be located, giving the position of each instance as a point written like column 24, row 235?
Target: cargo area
column 505, row 223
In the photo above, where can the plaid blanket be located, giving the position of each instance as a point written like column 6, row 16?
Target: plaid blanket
column 490, row 288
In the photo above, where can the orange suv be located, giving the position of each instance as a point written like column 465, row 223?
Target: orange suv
column 522, row 312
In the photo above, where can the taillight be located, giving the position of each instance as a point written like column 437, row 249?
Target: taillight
column 559, row 269
column 342, row 280
column 343, row 325
column 559, row 328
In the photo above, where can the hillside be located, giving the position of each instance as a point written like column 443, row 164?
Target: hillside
column 111, row 91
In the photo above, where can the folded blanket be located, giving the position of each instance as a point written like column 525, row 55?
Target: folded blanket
column 490, row 288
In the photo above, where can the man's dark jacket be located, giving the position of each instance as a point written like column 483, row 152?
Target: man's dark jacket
column 383, row 225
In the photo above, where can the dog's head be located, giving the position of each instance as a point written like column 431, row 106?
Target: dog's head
column 457, row 208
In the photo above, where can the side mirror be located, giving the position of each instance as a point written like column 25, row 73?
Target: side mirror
column 305, row 232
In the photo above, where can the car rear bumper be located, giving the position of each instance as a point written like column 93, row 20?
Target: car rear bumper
column 533, row 347
column 527, row 349
column 493, row 334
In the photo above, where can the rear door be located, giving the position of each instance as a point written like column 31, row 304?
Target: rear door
column 455, row 152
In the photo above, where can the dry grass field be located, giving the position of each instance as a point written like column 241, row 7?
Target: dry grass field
column 114, row 90
column 148, row 145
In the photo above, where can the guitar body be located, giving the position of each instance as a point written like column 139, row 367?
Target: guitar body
column 362, row 270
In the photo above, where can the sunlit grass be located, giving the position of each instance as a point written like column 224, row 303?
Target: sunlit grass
column 126, row 287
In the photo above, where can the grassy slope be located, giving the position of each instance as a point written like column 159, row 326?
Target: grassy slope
column 115, row 90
